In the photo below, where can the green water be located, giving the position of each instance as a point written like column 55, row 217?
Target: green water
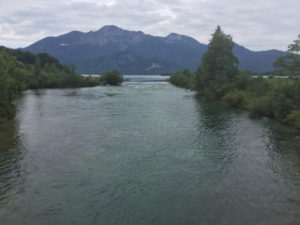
column 144, row 153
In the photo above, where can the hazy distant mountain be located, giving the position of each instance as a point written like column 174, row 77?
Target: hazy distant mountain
column 133, row 52
column 128, row 63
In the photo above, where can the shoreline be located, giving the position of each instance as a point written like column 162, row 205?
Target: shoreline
column 251, row 114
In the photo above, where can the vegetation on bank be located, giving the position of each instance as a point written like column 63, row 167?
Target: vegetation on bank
column 23, row 70
column 289, row 64
column 218, row 77
column 114, row 78
column 166, row 74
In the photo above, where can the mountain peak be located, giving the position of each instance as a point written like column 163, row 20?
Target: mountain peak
column 174, row 35
column 110, row 28
column 179, row 38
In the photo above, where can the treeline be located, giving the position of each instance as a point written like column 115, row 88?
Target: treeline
column 218, row 77
column 23, row 70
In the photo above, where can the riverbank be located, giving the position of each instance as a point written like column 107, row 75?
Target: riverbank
column 278, row 99
column 20, row 71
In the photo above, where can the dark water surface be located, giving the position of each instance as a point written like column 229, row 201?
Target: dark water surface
column 144, row 153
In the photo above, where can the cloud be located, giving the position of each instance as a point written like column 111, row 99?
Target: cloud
column 256, row 24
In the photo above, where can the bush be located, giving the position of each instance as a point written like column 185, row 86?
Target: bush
column 294, row 118
column 181, row 79
column 261, row 107
column 242, row 81
column 282, row 106
column 235, row 99
column 113, row 78
column 7, row 111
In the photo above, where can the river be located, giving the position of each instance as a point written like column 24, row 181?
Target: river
column 144, row 153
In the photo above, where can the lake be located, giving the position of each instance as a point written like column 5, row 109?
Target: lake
column 144, row 153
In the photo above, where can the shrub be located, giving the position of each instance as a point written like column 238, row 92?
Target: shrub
column 113, row 78
column 235, row 99
column 261, row 106
column 181, row 79
column 294, row 118
column 282, row 106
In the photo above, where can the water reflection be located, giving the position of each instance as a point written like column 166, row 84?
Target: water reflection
column 253, row 161
column 72, row 92
column 38, row 92
column 8, row 135
column 11, row 154
column 214, row 114
column 228, row 126
column 284, row 151
column 216, row 131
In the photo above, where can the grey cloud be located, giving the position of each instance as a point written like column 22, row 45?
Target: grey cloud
column 255, row 24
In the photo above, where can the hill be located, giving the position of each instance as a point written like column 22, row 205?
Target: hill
column 133, row 52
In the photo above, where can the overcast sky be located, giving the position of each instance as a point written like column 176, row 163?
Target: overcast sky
column 255, row 24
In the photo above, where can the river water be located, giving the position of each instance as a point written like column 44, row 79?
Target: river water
column 144, row 153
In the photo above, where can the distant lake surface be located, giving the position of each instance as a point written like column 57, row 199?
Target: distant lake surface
column 145, row 153
column 138, row 78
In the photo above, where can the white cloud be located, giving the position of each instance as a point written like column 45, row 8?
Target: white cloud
column 254, row 24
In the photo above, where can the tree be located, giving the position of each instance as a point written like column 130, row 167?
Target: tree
column 218, row 66
column 289, row 64
column 181, row 79
column 37, row 67
column 219, row 63
column 186, row 72
column 10, row 84
column 22, row 70
column 72, row 68
column 114, row 78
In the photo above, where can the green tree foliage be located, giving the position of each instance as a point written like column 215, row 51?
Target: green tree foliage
column 289, row 64
column 23, row 70
column 218, row 66
column 219, row 63
column 113, row 78
column 182, row 79
column 217, row 77
column 10, row 84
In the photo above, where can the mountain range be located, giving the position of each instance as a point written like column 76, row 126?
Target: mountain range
column 133, row 52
